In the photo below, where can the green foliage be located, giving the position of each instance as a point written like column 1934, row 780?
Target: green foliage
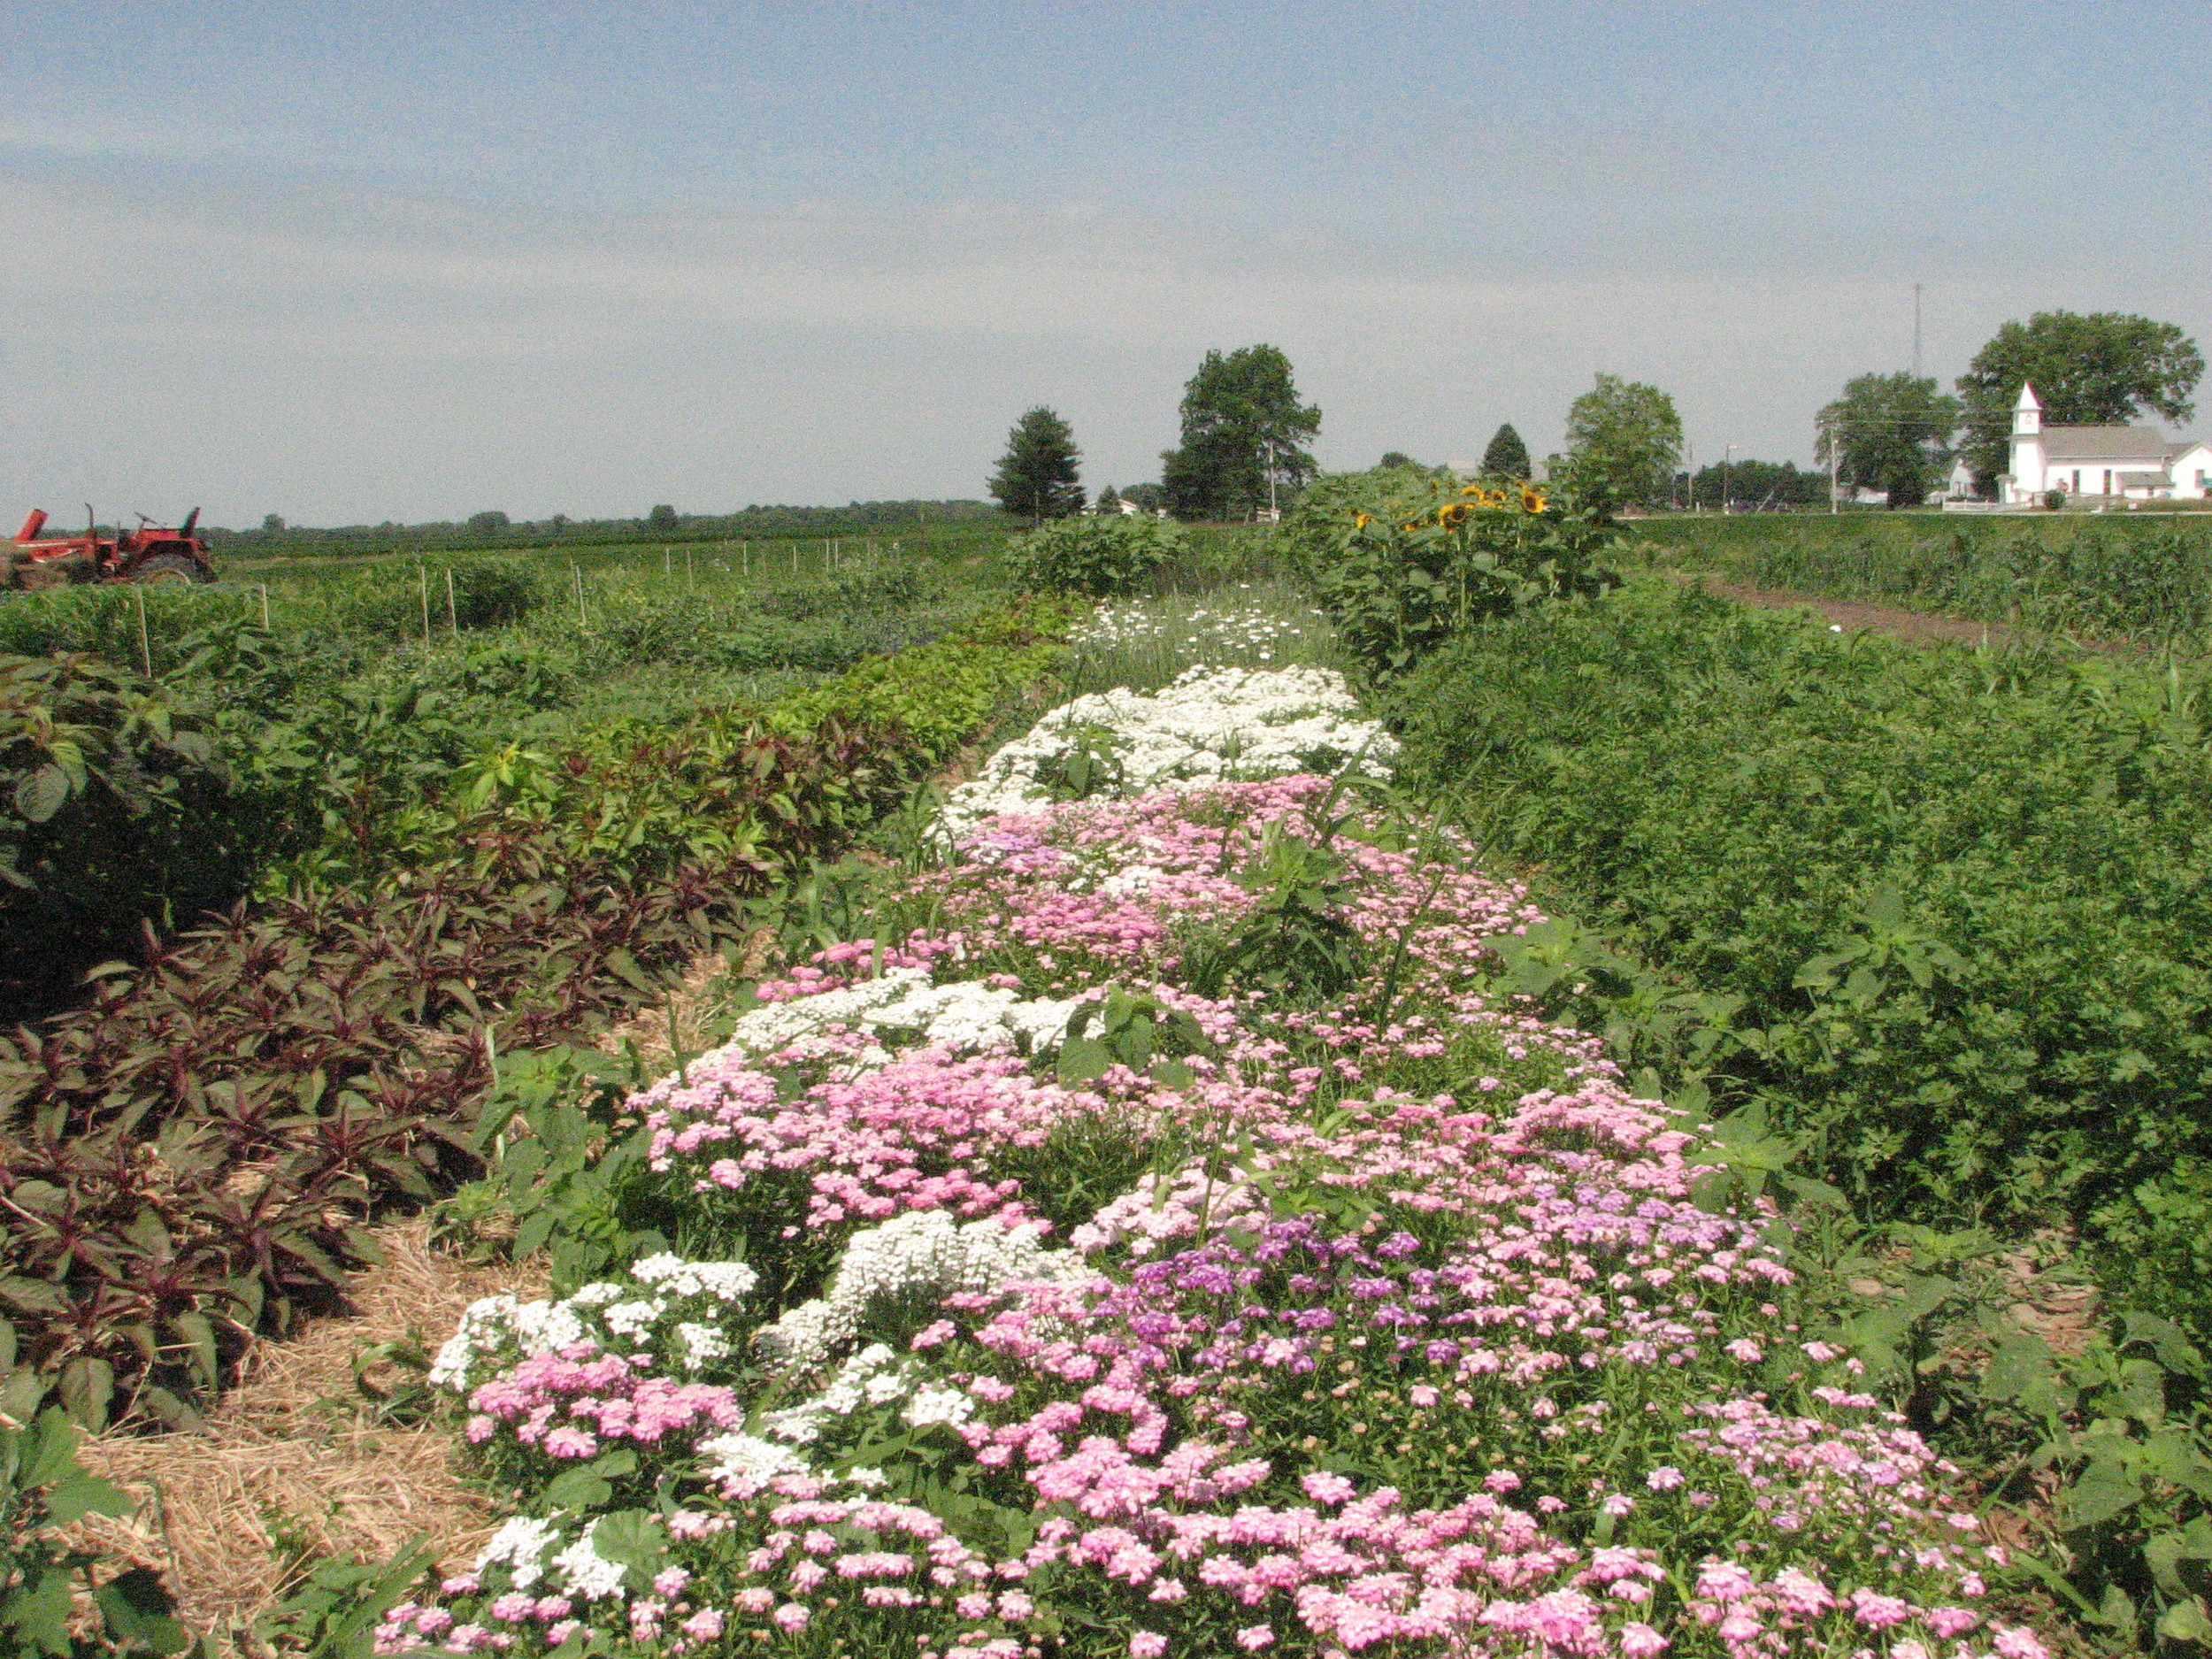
column 662, row 517
column 1954, row 904
column 1102, row 555
column 2150, row 578
column 2102, row 369
column 328, row 1050
column 1627, row 436
column 42, row 1487
column 1297, row 943
column 564, row 1168
column 2122, row 1430
column 1135, row 1031
column 1891, row 433
column 1037, row 477
column 1401, row 563
column 112, row 808
column 1506, row 455
column 335, row 1613
column 1241, row 422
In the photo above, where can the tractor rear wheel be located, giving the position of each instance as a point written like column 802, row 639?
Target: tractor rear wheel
column 168, row 567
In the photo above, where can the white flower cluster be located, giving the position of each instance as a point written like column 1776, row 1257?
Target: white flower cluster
column 743, row 1464
column 967, row 1017
column 1153, row 1212
column 496, row 1331
column 522, row 1543
column 1211, row 724
column 577, row 1570
column 498, row 1327
column 1214, row 632
column 585, row 1571
column 924, row 1255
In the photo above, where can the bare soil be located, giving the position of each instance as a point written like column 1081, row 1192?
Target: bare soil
column 1916, row 626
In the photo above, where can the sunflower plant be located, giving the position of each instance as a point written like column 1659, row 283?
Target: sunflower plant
column 1402, row 563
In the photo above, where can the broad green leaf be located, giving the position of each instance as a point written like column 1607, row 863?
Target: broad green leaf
column 2186, row 1621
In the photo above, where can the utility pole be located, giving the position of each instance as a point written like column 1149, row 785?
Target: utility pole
column 1916, row 331
column 1727, row 458
column 1833, row 449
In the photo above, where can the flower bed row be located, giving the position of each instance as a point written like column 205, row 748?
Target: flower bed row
column 1160, row 1239
column 185, row 1162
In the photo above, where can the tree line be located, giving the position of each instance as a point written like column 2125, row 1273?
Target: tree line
column 1900, row 433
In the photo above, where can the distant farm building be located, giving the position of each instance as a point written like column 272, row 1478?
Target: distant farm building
column 2100, row 463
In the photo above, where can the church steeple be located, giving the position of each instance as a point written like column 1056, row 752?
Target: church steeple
column 2027, row 413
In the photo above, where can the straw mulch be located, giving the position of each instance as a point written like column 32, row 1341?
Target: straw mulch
column 293, row 1465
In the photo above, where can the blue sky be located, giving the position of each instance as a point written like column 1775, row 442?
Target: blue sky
column 352, row 263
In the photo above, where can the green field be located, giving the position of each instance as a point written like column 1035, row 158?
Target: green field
column 2146, row 575
column 1913, row 938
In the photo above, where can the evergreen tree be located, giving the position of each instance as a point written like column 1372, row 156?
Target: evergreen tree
column 1507, row 456
column 1037, row 476
column 1108, row 501
column 1240, row 416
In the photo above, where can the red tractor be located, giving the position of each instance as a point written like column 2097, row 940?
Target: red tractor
column 152, row 553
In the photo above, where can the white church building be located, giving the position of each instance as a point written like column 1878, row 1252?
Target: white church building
column 2098, row 463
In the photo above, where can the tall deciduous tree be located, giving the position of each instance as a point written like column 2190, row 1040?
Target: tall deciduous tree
column 1627, row 436
column 1037, row 477
column 1507, row 456
column 1894, row 431
column 1241, row 417
column 2102, row 369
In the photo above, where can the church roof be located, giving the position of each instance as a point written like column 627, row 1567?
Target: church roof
column 2105, row 444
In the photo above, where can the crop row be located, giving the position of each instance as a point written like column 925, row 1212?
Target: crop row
column 185, row 1159
column 1157, row 1235
column 2151, row 579
column 1959, row 900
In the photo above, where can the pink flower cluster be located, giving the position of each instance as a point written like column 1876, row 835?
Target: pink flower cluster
column 906, row 1137
column 1414, row 1336
column 568, row 1404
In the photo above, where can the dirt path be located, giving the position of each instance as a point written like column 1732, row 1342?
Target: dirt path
column 1915, row 626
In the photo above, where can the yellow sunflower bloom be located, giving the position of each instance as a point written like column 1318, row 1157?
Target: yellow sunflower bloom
column 1532, row 500
column 1470, row 489
column 1361, row 520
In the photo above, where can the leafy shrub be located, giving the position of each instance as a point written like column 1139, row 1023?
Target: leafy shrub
column 1400, row 562
column 114, row 808
column 1957, row 904
column 1103, row 554
column 103, row 620
column 386, row 600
